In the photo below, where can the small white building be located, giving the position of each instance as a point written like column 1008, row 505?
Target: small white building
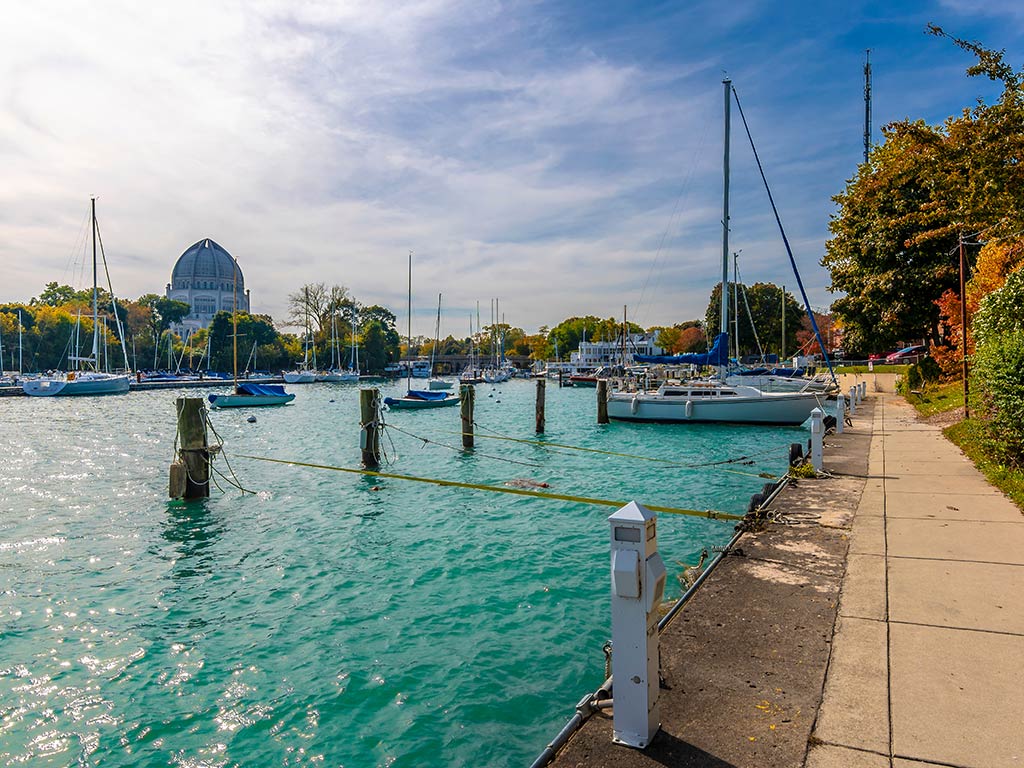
column 594, row 354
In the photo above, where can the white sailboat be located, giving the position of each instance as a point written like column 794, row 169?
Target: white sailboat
column 434, row 382
column 304, row 374
column 335, row 372
column 88, row 380
column 415, row 399
column 713, row 401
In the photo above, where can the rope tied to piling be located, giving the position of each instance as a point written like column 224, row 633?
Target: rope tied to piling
column 705, row 513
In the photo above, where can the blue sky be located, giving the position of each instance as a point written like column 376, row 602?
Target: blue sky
column 562, row 156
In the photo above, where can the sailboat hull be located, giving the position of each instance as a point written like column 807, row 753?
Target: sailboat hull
column 86, row 384
column 768, row 408
column 414, row 403
column 300, row 377
column 248, row 401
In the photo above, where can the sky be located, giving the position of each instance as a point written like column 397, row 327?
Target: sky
column 563, row 157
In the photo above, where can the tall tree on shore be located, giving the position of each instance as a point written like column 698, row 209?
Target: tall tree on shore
column 893, row 250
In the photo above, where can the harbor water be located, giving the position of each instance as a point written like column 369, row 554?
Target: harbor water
column 329, row 618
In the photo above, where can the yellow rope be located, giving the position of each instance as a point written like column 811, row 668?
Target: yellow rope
column 711, row 514
column 668, row 462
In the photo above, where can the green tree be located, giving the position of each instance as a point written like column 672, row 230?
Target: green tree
column 376, row 350
column 163, row 313
column 892, row 250
column 763, row 322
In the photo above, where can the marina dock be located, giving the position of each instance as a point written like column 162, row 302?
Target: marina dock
column 878, row 623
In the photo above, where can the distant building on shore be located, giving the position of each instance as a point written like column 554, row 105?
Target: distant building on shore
column 204, row 278
column 594, row 354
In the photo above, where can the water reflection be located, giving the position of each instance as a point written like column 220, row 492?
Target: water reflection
column 192, row 528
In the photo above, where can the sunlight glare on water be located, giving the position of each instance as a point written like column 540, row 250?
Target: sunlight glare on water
column 330, row 619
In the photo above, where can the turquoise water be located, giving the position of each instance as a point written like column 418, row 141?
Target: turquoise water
column 330, row 619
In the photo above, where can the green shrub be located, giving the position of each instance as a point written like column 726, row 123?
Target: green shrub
column 998, row 376
column 929, row 370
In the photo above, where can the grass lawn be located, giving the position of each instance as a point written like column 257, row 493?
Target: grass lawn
column 968, row 434
column 939, row 398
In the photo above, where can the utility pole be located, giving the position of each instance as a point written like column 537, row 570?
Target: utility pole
column 867, row 104
column 963, row 325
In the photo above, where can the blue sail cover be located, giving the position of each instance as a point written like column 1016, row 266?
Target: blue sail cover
column 422, row 394
column 267, row 390
column 717, row 355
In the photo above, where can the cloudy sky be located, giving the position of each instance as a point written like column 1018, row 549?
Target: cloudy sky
column 564, row 157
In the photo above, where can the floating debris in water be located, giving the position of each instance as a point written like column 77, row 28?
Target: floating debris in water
column 522, row 482
column 251, row 419
column 376, row 488
column 330, row 401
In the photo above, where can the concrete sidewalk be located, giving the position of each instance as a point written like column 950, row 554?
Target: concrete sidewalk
column 927, row 664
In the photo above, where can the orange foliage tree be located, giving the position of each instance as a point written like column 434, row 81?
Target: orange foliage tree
column 996, row 261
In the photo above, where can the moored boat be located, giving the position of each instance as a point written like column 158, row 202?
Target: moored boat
column 249, row 394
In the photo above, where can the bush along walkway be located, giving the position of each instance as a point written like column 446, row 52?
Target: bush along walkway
column 926, row 660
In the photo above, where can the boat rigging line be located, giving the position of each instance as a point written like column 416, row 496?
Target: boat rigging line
column 785, row 240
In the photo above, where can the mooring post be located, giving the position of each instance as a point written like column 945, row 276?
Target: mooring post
column 560, row 384
column 467, row 399
column 369, row 432
column 190, row 474
column 602, row 401
column 863, row 390
column 541, row 386
column 840, row 413
column 817, row 436
column 853, row 400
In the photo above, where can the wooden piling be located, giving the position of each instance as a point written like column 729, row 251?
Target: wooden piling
column 193, row 452
column 541, row 386
column 467, row 397
column 369, row 432
column 602, row 401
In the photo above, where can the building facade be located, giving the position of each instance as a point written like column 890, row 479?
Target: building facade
column 208, row 279
column 594, row 354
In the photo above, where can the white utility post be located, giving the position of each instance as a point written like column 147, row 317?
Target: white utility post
column 840, row 413
column 817, row 435
column 638, row 584
column 853, row 400
column 863, row 390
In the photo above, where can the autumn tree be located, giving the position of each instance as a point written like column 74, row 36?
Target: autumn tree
column 894, row 237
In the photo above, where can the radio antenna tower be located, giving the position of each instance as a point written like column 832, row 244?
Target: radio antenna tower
column 867, row 103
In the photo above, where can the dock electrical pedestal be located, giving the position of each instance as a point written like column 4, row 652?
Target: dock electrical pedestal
column 638, row 584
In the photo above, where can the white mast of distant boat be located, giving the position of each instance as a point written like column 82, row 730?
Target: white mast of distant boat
column 408, row 338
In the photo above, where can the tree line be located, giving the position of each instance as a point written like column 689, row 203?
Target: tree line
column 57, row 324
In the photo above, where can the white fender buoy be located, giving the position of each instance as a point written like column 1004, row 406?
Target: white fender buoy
column 634, row 404
column 689, row 409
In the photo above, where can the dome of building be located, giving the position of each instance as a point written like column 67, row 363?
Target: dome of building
column 207, row 266
column 209, row 280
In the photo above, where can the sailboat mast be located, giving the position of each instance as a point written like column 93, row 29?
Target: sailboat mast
column 408, row 338
column 727, row 84
column 736, row 302
column 234, row 321
column 782, row 353
column 95, row 296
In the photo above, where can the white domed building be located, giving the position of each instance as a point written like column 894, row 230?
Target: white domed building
column 204, row 278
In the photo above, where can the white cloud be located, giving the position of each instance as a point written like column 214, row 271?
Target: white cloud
column 320, row 141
